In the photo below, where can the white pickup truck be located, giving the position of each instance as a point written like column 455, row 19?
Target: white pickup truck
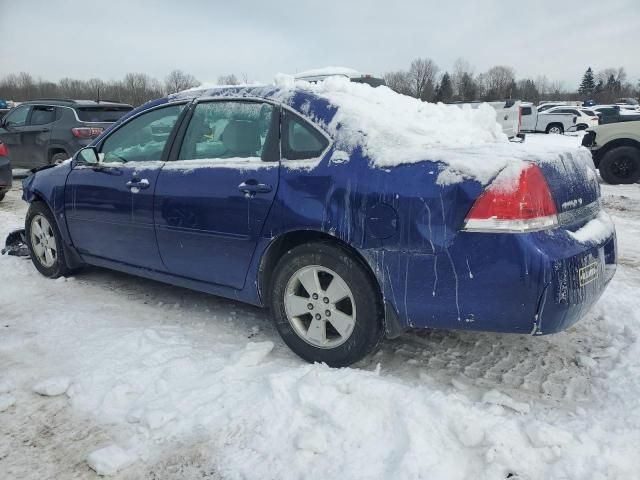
column 546, row 121
column 507, row 115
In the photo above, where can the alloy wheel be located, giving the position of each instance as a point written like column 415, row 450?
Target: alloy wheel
column 43, row 241
column 320, row 306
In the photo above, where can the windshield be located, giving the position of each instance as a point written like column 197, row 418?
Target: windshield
column 101, row 114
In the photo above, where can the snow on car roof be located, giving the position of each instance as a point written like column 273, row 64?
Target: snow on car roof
column 393, row 129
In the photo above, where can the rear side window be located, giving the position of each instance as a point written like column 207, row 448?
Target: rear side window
column 101, row 114
column 300, row 140
column 41, row 115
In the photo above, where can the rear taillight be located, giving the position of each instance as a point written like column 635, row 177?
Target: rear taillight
column 522, row 206
column 4, row 151
column 86, row 132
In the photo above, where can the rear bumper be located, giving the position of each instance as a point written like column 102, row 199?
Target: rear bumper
column 532, row 283
column 6, row 176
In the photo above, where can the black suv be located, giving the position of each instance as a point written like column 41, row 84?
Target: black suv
column 46, row 131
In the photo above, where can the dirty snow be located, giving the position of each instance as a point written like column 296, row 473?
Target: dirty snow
column 179, row 384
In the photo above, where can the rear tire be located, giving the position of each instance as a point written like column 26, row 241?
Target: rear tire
column 44, row 242
column 340, row 320
column 620, row 165
column 2, row 196
column 555, row 128
column 58, row 158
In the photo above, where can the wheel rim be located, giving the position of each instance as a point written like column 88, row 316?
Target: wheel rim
column 555, row 130
column 320, row 306
column 43, row 241
column 623, row 167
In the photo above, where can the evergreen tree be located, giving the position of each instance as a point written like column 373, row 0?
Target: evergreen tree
column 587, row 85
column 445, row 89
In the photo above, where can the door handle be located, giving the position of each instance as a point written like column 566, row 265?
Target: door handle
column 144, row 183
column 251, row 187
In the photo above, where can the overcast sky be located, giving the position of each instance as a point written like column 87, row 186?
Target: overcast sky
column 106, row 39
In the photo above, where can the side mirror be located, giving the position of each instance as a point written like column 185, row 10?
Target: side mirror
column 88, row 156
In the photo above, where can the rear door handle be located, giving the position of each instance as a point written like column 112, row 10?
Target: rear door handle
column 144, row 183
column 251, row 187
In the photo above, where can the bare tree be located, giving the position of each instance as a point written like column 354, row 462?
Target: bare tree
column 422, row 74
column 499, row 81
column 399, row 82
column 462, row 72
column 228, row 80
column 178, row 80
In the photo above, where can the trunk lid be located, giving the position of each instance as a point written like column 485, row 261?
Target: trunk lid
column 574, row 186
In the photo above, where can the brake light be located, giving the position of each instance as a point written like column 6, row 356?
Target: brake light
column 524, row 206
column 86, row 132
column 4, row 151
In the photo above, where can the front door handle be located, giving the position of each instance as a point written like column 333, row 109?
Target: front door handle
column 144, row 183
column 251, row 187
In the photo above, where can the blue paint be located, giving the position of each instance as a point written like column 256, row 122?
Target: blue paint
column 198, row 230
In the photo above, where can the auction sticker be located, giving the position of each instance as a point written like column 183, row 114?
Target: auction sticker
column 588, row 274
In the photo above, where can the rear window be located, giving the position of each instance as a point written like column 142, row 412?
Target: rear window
column 101, row 114
column 526, row 110
column 590, row 113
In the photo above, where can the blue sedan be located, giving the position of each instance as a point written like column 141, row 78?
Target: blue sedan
column 280, row 197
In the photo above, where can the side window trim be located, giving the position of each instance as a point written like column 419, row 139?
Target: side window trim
column 288, row 111
column 172, row 135
column 188, row 115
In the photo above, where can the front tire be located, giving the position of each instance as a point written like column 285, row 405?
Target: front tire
column 44, row 242
column 58, row 158
column 2, row 196
column 325, row 305
column 555, row 128
column 620, row 165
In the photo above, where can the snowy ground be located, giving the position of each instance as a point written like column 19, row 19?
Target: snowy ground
column 184, row 385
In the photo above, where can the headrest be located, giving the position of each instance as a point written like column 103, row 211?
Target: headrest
column 241, row 137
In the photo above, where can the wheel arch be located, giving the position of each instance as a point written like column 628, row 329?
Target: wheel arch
column 619, row 142
column 288, row 240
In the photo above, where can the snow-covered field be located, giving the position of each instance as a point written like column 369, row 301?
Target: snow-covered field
column 165, row 383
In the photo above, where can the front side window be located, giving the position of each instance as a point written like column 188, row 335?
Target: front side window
column 230, row 130
column 300, row 140
column 41, row 115
column 143, row 138
column 17, row 117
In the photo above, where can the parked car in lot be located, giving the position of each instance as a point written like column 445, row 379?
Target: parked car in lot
column 48, row 131
column 5, row 171
column 616, row 113
column 335, row 209
column 585, row 117
column 615, row 148
column 549, row 120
